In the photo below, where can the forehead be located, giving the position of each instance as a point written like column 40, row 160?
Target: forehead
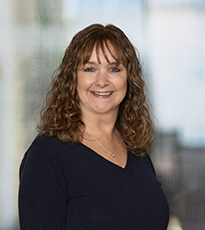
column 106, row 52
column 102, row 48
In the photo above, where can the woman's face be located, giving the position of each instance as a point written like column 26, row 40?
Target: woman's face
column 102, row 85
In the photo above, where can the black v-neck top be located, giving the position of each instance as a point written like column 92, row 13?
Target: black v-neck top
column 67, row 186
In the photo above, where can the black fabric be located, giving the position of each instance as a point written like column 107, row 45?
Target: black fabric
column 70, row 187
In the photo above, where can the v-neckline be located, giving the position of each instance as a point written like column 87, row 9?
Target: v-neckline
column 109, row 163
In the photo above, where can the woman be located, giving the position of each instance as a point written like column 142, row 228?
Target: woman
column 89, row 168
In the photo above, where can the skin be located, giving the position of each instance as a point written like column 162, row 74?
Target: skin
column 102, row 86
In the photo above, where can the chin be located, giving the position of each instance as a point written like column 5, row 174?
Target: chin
column 103, row 110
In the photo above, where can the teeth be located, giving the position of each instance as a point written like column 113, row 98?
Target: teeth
column 103, row 94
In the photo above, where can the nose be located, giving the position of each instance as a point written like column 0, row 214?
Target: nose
column 102, row 79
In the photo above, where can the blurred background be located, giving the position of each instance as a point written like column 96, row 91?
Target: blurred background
column 170, row 36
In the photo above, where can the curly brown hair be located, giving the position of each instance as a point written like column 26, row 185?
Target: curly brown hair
column 61, row 115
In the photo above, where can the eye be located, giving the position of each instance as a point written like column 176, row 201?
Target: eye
column 115, row 69
column 89, row 69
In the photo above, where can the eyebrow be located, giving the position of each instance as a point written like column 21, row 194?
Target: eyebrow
column 94, row 63
column 90, row 63
column 113, row 63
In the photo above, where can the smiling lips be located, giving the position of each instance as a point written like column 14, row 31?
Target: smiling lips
column 102, row 93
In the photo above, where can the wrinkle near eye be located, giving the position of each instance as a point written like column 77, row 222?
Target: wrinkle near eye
column 115, row 69
column 89, row 69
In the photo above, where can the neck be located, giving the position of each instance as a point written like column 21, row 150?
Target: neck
column 100, row 124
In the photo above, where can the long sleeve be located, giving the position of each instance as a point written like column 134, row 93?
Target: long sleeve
column 66, row 186
column 42, row 192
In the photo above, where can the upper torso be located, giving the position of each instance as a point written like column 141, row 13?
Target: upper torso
column 69, row 186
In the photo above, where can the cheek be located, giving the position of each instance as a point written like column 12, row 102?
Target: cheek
column 81, row 83
column 123, row 84
column 79, row 88
column 84, row 81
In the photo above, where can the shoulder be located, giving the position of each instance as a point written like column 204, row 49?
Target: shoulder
column 51, row 146
column 149, row 162
column 48, row 142
column 48, row 150
column 144, row 163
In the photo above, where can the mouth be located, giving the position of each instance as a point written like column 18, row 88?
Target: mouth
column 102, row 93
